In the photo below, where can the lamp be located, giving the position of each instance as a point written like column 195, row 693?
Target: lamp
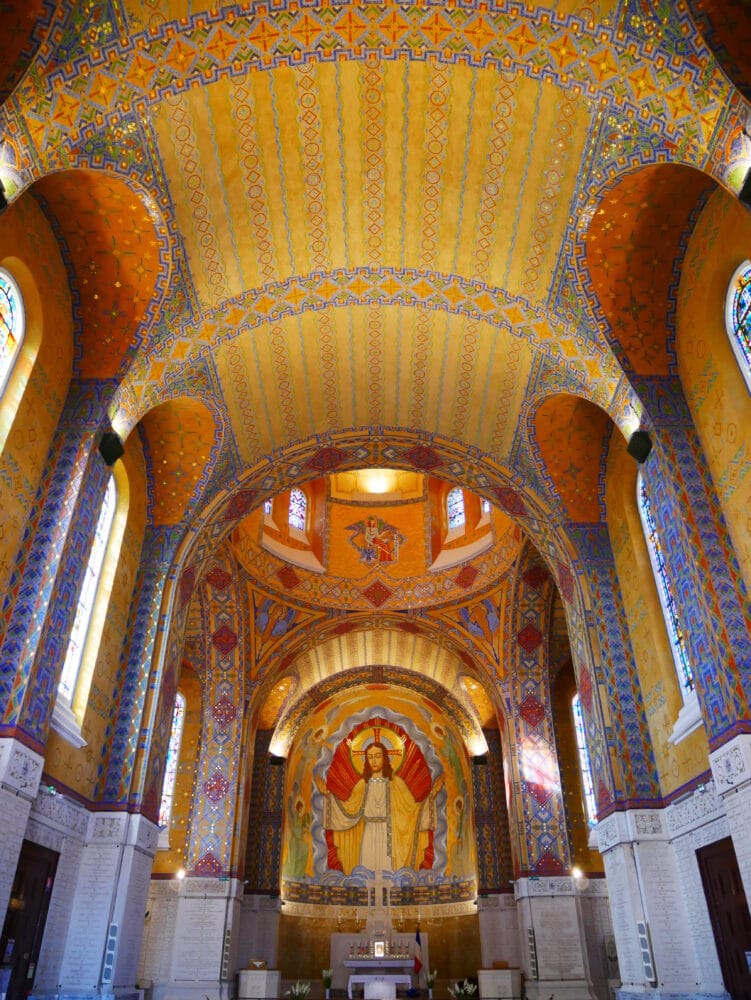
column 639, row 446
column 111, row 447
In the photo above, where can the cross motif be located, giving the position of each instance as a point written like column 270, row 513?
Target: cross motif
column 397, row 752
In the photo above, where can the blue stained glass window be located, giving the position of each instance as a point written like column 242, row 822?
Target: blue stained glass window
column 298, row 507
column 675, row 632
column 584, row 765
column 12, row 324
column 738, row 318
column 455, row 507
column 267, row 505
column 79, row 631
column 173, row 755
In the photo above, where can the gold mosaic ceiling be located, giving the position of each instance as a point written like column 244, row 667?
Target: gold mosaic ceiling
column 367, row 215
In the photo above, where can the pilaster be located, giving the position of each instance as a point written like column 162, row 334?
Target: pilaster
column 103, row 940
column 731, row 768
column 194, row 954
column 20, row 774
column 554, row 953
column 660, row 953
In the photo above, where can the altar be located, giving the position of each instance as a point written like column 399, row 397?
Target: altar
column 379, row 986
column 351, row 955
column 380, row 958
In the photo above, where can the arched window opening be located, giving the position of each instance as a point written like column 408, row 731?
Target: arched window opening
column 665, row 590
column 584, row 765
column 267, row 507
column 170, row 767
column 12, row 325
column 298, row 509
column 738, row 318
column 78, row 632
column 455, row 508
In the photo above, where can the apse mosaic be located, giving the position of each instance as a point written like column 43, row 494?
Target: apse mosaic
column 371, row 789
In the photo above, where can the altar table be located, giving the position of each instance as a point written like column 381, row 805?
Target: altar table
column 390, row 981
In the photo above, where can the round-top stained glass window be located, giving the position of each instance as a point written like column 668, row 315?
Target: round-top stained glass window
column 11, row 323
column 738, row 316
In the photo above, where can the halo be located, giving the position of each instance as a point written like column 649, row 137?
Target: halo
column 386, row 736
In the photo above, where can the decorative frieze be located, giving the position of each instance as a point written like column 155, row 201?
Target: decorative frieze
column 731, row 764
column 701, row 807
column 54, row 810
column 20, row 768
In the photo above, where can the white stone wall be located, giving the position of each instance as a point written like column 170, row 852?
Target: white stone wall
column 258, row 931
column 653, row 876
column 59, row 824
column 20, row 772
column 499, row 930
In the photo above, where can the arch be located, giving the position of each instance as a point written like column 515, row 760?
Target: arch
column 633, row 247
column 572, row 436
column 26, row 23
column 725, row 27
column 308, row 696
column 113, row 248
column 718, row 397
column 180, row 438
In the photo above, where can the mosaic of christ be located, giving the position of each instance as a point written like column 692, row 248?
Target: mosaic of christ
column 381, row 802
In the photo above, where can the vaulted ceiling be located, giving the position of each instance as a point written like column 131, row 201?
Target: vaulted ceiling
column 284, row 221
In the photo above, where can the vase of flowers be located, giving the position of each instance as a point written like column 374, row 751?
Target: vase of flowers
column 463, row 989
column 298, row 990
column 327, row 975
column 430, row 978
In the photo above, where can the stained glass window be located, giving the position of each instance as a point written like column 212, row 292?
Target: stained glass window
column 738, row 318
column 485, row 506
column 72, row 665
column 672, row 621
column 267, row 505
column 584, row 766
column 455, row 507
column 173, row 755
column 12, row 324
column 298, row 506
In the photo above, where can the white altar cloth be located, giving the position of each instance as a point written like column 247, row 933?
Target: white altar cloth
column 379, row 986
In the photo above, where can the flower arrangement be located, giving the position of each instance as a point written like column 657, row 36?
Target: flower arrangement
column 430, row 978
column 298, row 990
column 327, row 975
column 463, row 989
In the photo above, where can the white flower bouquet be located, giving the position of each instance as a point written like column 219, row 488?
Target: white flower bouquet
column 464, row 989
column 298, row 990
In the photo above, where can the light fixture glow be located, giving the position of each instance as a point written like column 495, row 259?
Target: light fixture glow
column 377, row 481
column 180, row 873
